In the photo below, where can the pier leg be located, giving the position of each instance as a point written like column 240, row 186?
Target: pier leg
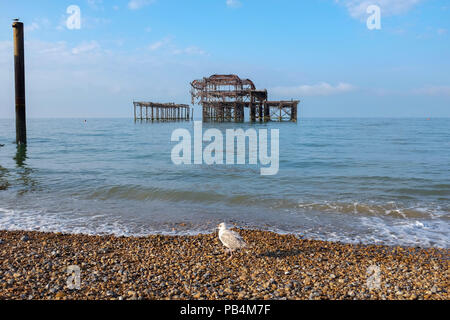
column 266, row 112
column 252, row 113
column 19, row 71
column 294, row 113
column 260, row 112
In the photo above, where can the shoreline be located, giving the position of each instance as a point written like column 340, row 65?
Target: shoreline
column 33, row 265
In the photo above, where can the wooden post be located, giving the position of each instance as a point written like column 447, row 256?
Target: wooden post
column 19, row 71
column 252, row 112
column 294, row 112
column 260, row 111
column 266, row 112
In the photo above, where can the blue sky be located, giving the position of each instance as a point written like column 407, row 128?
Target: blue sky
column 318, row 51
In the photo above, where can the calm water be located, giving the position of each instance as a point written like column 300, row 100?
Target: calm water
column 353, row 180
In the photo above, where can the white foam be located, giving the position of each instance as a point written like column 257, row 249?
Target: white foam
column 367, row 230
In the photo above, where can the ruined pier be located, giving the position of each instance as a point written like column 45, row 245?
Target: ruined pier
column 161, row 111
column 225, row 97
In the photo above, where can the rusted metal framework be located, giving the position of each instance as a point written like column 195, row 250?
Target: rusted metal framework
column 225, row 97
column 161, row 111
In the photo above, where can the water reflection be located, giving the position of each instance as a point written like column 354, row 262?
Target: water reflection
column 4, row 184
column 21, row 155
column 24, row 172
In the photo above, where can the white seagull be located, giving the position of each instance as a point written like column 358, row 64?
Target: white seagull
column 230, row 239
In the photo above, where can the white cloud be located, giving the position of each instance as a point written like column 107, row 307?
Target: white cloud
column 321, row 89
column 433, row 91
column 441, row 31
column 233, row 3
column 159, row 44
column 32, row 27
column 138, row 4
column 357, row 8
column 95, row 4
column 40, row 23
column 192, row 50
column 86, row 47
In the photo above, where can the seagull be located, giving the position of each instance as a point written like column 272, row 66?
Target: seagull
column 230, row 239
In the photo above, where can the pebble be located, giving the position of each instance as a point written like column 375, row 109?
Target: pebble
column 60, row 295
column 197, row 296
column 197, row 267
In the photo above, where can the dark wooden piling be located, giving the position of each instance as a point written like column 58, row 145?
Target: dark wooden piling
column 19, row 72
column 266, row 112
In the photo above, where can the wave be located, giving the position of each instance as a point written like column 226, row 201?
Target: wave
column 359, row 208
column 366, row 230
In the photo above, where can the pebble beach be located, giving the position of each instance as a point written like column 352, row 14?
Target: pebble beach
column 34, row 266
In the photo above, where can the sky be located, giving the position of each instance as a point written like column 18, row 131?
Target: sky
column 318, row 51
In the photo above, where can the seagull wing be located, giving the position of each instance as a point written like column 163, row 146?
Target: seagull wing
column 232, row 239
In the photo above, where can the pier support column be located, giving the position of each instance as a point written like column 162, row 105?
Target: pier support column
column 260, row 111
column 294, row 113
column 266, row 112
column 19, row 72
column 252, row 113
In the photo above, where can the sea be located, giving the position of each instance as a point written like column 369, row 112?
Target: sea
column 367, row 181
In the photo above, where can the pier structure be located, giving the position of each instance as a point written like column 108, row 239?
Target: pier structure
column 161, row 111
column 225, row 97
